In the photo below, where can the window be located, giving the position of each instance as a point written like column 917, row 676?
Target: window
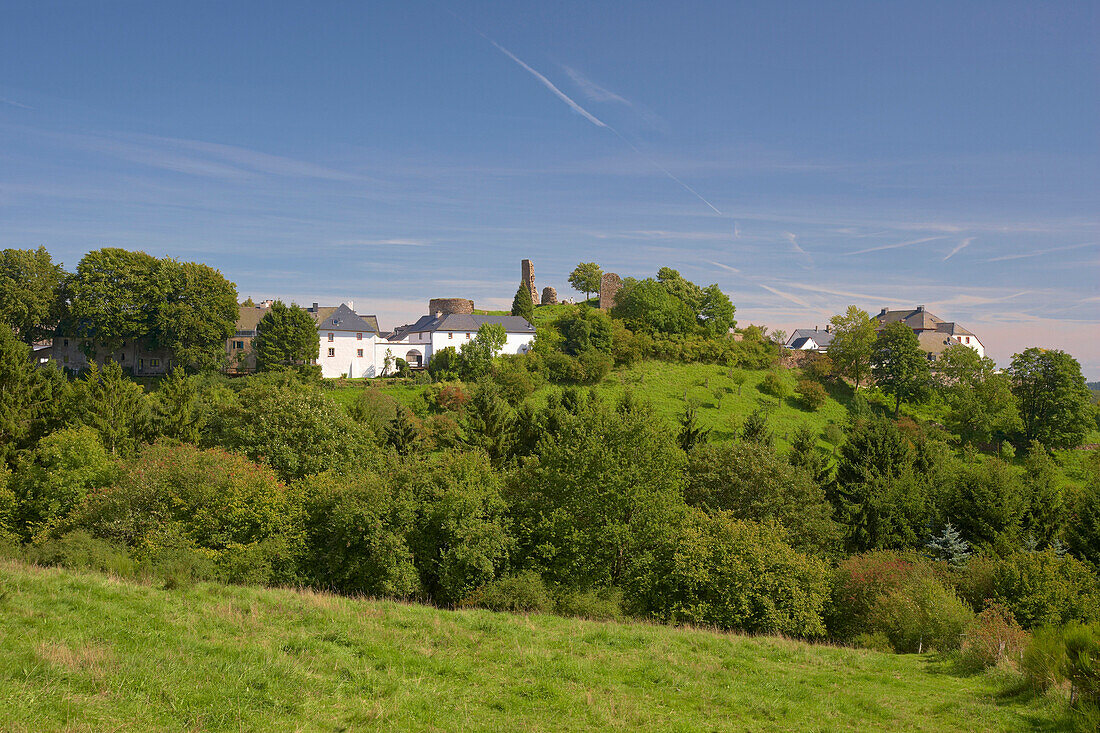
column 238, row 344
column 330, row 337
column 121, row 358
column 450, row 334
column 332, row 352
column 359, row 353
column 467, row 334
column 154, row 362
column 359, row 337
column 967, row 339
column 66, row 342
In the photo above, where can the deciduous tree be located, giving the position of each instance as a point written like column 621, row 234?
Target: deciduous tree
column 586, row 278
column 899, row 366
column 1055, row 404
column 31, row 285
column 853, row 340
column 285, row 337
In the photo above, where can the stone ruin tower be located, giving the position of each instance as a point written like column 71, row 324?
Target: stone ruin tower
column 549, row 295
column 527, row 278
column 609, row 288
column 445, row 306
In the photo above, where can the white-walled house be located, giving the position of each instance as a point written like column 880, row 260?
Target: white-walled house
column 416, row 343
column 348, row 344
column 352, row 346
column 934, row 334
column 810, row 339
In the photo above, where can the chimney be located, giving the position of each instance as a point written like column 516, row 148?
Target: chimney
column 314, row 307
column 827, row 327
column 815, row 329
column 920, row 309
column 351, row 306
column 883, row 311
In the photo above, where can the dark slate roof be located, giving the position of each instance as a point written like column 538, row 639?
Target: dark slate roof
column 458, row 322
column 799, row 342
column 917, row 318
column 821, row 337
column 345, row 319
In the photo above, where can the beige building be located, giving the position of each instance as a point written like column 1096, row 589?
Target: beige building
column 933, row 333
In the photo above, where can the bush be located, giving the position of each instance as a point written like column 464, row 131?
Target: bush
column 355, row 528
column 994, row 636
column 736, row 575
column 1082, row 663
column 595, row 604
column 81, row 551
column 1045, row 589
column 596, row 365
column 564, row 369
column 813, row 394
column 921, row 615
column 776, row 385
column 452, row 397
column 181, row 496
column 858, row 582
column 521, row 593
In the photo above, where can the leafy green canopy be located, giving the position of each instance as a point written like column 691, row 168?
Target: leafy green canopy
column 672, row 304
column 853, row 340
column 586, row 278
column 117, row 295
column 30, row 292
column 900, row 367
column 1055, row 404
column 285, row 337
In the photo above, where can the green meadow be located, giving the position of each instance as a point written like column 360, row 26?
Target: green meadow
column 88, row 652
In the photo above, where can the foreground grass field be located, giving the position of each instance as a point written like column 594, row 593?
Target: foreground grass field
column 84, row 652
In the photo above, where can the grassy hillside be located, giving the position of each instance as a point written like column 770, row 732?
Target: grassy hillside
column 83, row 652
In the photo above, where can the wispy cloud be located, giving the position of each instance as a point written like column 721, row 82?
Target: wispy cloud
column 548, row 84
column 13, row 103
column 1041, row 252
column 791, row 237
column 897, row 245
column 959, row 248
column 790, row 297
column 383, row 242
column 594, row 91
column 724, row 267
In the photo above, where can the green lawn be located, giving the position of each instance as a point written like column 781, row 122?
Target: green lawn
column 84, row 652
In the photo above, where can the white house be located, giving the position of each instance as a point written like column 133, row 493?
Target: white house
column 810, row 339
column 416, row 343
column 348, row 343
column 352, row 346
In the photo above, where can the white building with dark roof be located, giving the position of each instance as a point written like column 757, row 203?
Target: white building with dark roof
column 348, row 342
column 810, row 339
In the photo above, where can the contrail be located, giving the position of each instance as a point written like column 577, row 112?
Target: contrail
column 549, row 85
column 595, row 120
column 962, row 245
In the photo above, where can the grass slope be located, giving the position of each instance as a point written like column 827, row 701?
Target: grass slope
column 83, row 652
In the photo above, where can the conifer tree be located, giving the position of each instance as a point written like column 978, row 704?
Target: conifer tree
column 401, row 433
column 522, row 305
column 950, row 546
column 691, row 434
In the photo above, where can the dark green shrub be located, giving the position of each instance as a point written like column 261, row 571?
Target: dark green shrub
column 596, row 604
column 355, row 528
column 521, row 593
column 564, row 369
column 596, row 365
column 79, row 550
column 732, row 574
column 812, row 394
column 1046, row 589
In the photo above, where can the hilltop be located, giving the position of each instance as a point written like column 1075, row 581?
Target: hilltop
column 82, row 651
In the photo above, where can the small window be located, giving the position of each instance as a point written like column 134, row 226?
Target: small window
column 66, row 342
column 967, row 339
column 330, row 336
column 467, row 334
column 359, row 337
column 450, row 334
column 121, row 358
column 154, row 362
column 332, row 352
column 359, row 353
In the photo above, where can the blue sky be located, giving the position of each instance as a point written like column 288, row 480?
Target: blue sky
column 804, row 156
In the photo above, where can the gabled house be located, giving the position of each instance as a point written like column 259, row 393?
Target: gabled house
column 239, row 347
column 432, row 333
column 810, row 339
column 933, row 333
column 348, row 342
